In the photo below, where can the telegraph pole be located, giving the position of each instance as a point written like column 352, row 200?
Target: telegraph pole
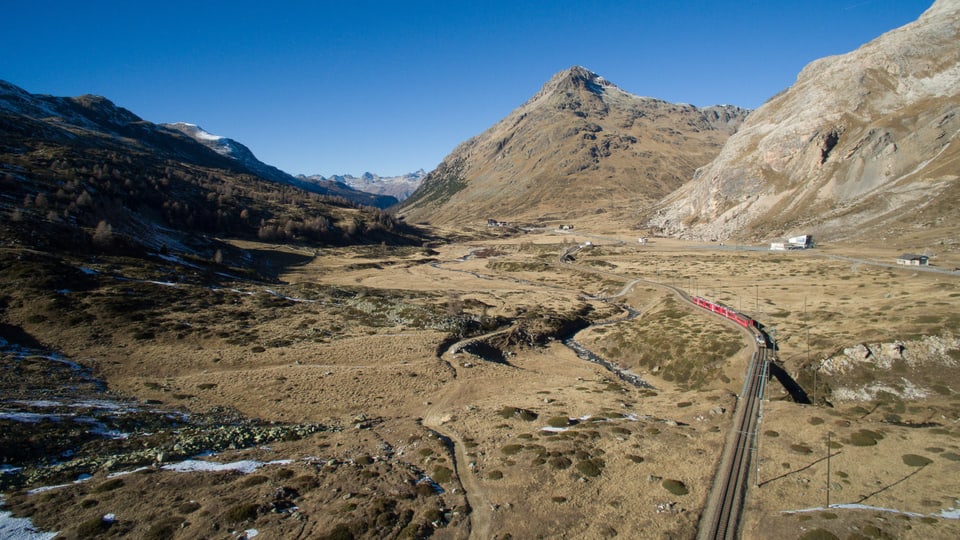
column 828, row 469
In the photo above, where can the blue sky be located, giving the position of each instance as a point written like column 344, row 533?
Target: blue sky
column 390, row 87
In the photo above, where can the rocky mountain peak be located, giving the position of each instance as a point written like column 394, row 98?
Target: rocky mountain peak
column 579, row 144
column 579, row 78
column 577, row 90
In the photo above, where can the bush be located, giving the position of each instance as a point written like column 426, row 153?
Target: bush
column 591, row 467
column 442, row 474
column 819, row 534
column 865, row 437
column 511, row 449
column 188, row 507
column 675, row 487
column 109, row 485
column 93, row 528
column 253, row 480
column 241, row 512
column 913, row 460
column 801, row 449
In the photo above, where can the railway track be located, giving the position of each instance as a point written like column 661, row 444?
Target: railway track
column 721, row 519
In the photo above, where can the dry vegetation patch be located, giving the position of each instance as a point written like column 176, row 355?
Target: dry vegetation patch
column 359, row 338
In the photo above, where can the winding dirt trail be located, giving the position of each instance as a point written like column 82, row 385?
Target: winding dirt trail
column 438, row 414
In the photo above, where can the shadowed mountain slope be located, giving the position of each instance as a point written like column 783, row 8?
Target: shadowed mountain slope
column 79, row 173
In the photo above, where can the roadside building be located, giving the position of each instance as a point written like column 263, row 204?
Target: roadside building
column 910, row 259
column 795, row 242
column 801, row 242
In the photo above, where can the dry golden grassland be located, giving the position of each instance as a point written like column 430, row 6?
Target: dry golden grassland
column 537, row 443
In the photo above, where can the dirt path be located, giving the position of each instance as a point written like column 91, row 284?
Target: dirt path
column 438, row 414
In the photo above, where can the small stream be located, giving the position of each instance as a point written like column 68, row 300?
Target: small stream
column 484, row 351
column 586, row 354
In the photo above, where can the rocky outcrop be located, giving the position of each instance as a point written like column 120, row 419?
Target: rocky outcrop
column 862, row 142
column 927, row 351
column 867, row 371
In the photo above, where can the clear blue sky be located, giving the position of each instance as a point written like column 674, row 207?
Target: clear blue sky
column 390, row 87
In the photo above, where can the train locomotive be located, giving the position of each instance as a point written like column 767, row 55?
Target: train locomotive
column 724, row 311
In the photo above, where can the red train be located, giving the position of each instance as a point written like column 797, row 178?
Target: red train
column 724, row 311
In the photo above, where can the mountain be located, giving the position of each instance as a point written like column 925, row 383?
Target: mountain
column 580, row 146
column 76, row 172
column 240, row 153
column 863, row 145
column 399, row 187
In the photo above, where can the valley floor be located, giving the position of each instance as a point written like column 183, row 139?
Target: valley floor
column 347, row 407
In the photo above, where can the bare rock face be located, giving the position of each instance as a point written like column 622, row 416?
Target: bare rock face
column 903, row 369
column 579, row 146
column 862, row 143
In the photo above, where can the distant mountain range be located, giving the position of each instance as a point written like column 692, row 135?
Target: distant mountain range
column 863, row 145
column 580, row 146
column 399, row 187
column 236, row 151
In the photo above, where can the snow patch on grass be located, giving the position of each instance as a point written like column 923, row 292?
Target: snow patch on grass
column 246, row 466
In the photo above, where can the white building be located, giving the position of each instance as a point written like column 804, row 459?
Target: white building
column 909, row 259
column 801, row 242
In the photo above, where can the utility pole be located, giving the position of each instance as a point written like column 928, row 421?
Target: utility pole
column 828, row 469
column 815, row 370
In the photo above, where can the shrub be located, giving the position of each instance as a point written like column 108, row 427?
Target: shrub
column 511, row 449
column 109, row 485
column 801, row 448
column 495, row 475
column 819, row 534
column 93, row 528
column 865, row 437
column 675, row 487
column 591, row 467
column 253, row 480
column 442, row 474
column 241, row 512
column 188, row 507
column 163, row 530
column 913, row 460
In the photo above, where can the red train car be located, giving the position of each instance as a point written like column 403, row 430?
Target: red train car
column 724, row 311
